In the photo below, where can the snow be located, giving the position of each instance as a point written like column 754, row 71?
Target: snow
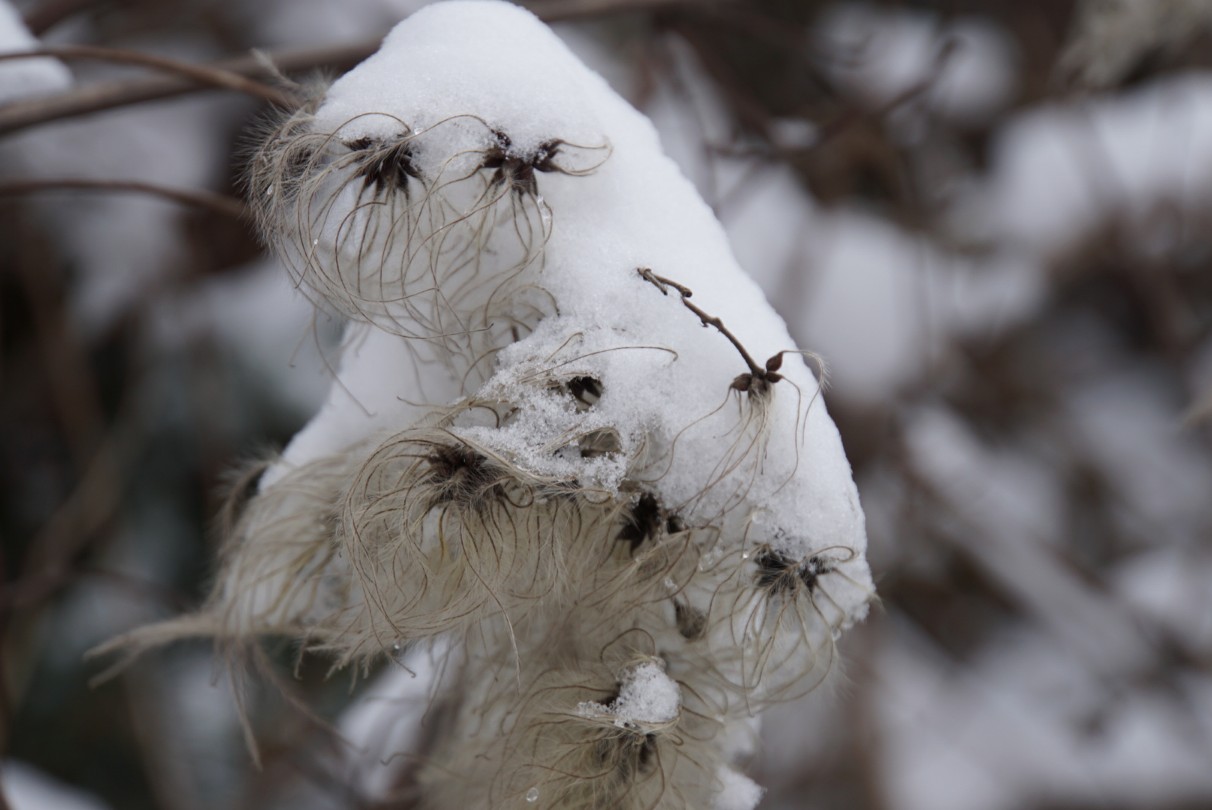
column 383, row 725
column 497, row 79
column 378, row 382
column 22, row 78
column 27, row 788
column 633, row 210
column 739, row 792
column 647, row 696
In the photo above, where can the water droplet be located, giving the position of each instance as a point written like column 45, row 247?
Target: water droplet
column 315, row 241
column 670, row 585
column 744, row 555
column 532, row 795
column 396, row 648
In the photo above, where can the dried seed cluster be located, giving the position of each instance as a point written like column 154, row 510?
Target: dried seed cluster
column 565, row 498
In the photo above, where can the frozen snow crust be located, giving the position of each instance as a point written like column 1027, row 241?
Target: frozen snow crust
column 568, row 432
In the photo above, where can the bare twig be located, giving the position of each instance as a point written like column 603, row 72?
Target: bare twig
column 760, row 378
column 218, row 203
column 109, row 95
column 202, row 74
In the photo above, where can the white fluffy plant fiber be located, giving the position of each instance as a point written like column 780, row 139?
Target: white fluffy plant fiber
column 550, row 443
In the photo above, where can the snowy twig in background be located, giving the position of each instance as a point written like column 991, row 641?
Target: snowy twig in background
column 528, row 458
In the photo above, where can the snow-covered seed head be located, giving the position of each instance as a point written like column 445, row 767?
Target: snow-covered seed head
column 543, row 450
column 434, row 233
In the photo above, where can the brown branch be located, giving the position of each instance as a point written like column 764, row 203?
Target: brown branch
column 759, row 378
column 201, row 74
column 109, row 95
column 218, row 203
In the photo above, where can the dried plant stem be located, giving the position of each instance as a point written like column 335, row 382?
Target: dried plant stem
column 203, row 74
column 110, row 95
column 759, row 376
column 218, row 203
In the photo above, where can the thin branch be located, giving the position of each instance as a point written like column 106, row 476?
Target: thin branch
column 202, row 74
column 662, row 284
column 759, row 378
column 218, row 203
column 109, row 95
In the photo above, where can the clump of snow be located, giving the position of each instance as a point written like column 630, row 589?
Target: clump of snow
column 738, row 792
column 21, row 78
column 634, row 210
column 647, row 697
column 486, row 85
